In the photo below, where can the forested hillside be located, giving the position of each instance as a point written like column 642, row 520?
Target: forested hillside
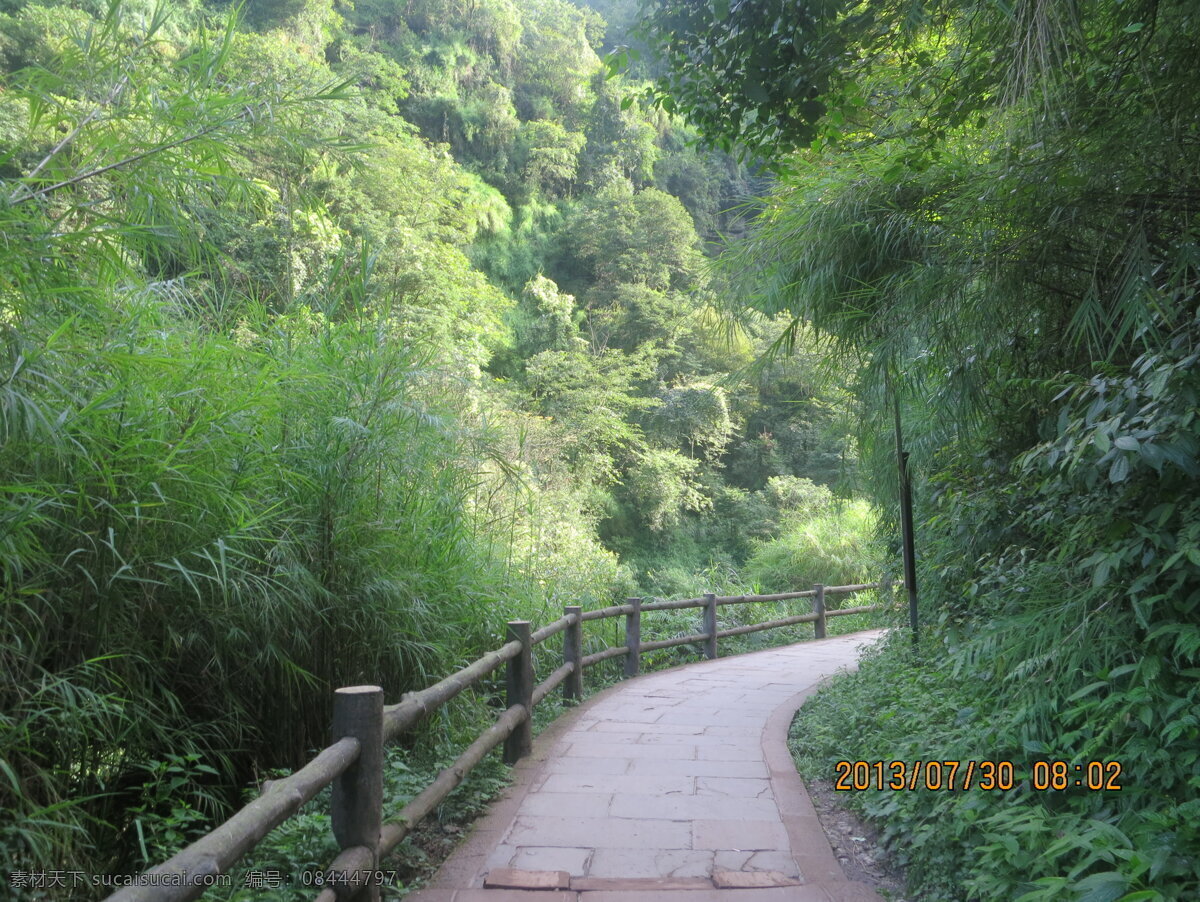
column 334, row 336
column 992, row 210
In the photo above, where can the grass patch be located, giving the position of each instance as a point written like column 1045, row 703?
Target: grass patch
column 1024, row 843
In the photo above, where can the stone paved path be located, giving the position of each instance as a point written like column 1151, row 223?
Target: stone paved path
column 676, row 785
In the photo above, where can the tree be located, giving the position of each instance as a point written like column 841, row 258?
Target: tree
column 549, row 156
column 556, row 60
column 620, row 142
column 750, row 73
column 641, row 238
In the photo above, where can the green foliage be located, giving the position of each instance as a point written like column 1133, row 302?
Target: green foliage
column 819, row 542
column 549, row 156
column 643, row 238
column 590, row 396
column 996, row 227
column 327, row 333
column 168, row 817
column 749, row 72
column 620, row 142
column 228, row 455
column 695, row 417
column 662, row 485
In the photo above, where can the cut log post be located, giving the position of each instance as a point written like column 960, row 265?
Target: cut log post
column 710, row 625
column 819, row 610
column 357, row 806
column 519, row 685
column 633, row 637
column 573, row 653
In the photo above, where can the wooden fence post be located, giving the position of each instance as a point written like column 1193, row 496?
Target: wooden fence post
column 519, row 685
column 710, row 625
column 819, row 610
column 633, row 638
column 357, row 805
column 573, row 653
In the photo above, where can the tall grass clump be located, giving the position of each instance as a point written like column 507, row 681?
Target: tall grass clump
column 202, row 537
column 832, row 543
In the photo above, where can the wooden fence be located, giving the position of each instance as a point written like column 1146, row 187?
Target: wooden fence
column 363, row 725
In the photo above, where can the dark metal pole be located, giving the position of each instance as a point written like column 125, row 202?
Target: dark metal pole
column 906, row 524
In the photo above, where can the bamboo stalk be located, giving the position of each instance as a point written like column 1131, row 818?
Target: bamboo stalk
column 415, row 705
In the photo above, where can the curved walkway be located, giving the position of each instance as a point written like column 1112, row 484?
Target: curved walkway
column 676, row 785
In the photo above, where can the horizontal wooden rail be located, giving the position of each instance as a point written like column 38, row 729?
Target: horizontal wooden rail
column 363, row 725
column 671, row 643
column 552, row 682
column 864, row 609
column 414, row 705
column 551, row 629
column 845, row 590
column 749, row 599
column 675, row 605
column 766, row 625
column 601, row 613
column 351, row 870
column 395, row 829
column 755, row 599
column 599, row 656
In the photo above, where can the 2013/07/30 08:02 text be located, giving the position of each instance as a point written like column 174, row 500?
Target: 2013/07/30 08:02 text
column 859, row 776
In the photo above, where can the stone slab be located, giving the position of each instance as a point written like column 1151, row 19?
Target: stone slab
column 664, row 768
column 805, row 893
column 553, row 858
column 608, row 784
column 756, row 835
column 690, row 808
column 645, row 884
column 642, row 863
column 600, row 832
column 723, row 879
column 515, row 878
column 749, row 860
